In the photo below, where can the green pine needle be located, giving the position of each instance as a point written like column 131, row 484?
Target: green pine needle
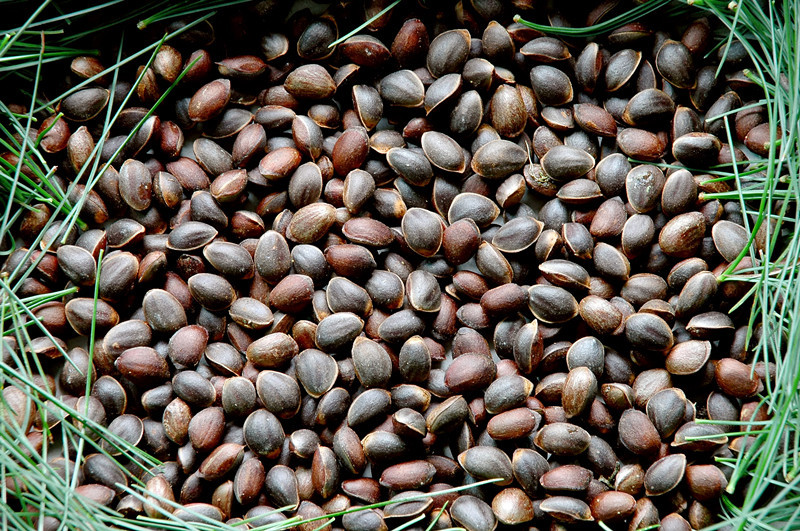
column 365, row 24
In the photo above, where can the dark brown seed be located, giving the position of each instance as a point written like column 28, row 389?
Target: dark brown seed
column 551, row 85
column 279, row 163
column 512, row 506
column 310, row 81
column 507, row 111
column 602, row 316
column 696, row 150
column 212, row 292
column 350, row 150
column 190, row 235
column 403, row 89
column 209, row 101
column 648, row 332
column 193, row 389
column 231, row 260
column 279, row 393
column 423, row 231
column 311, row 223
column 649, row 108
column 564, row 163
column 498, row 159
column 682, row 235
column 83, row 317
column 473, row 513
column 408, row 475
column 142, row 364
column 78, row 264
column 665, row 474
column 637, row 433
column 566, row 479
column 674, row 62
column 696, row 294
column 566, row 509
column 411, row 42
column 730, row 239
column 640, row 144
column 594, row 120
column 469, row 372
column 423, row 292
column 443, row 152
column 84, row 104
column 272, row 256
column 372, row 363
column 643, row 186
column 316, row 371
column 221, row 460
column 135, row 184
column 512, row 424
column 561, row 438
column 344, row 295
column 238, row 397
column 263, row 433
column 359, row 188
column 272, row 351
column 705, row 482
column 292, row 294
column 621, row 67
column 666, row 410
column 476, row 207
column 504, row 300
column 493, row 264
column 580, row 388
column 709, row 325
column 518, row 234
column 485, row 462
column 612, row 506
column 552, row 304
column 368, row 105
column 734, row 378
column 448, row 52
column 679, row 194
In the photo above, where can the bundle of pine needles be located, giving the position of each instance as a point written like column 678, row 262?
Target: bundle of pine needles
column 37, row 488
